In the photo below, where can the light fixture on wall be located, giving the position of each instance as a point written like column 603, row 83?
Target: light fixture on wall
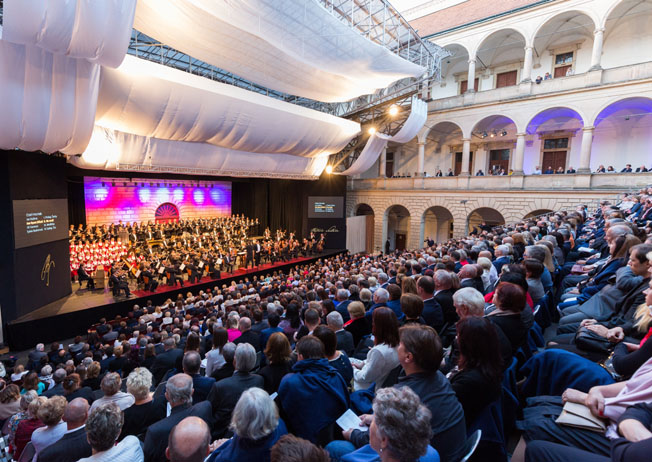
column 503, row 133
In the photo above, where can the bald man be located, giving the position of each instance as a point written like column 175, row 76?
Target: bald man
column 248, row 336
column 189, row 441
column 73, row 445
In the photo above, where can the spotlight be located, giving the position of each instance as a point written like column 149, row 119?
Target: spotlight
column 371, row 130
column 393, row 110
column 504, row 133
column 492, row 134
column 329, row 169
column 484, row 134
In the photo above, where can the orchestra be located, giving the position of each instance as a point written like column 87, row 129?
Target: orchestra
column 155, row 253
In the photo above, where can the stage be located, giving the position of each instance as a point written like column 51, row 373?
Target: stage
column 73, row 315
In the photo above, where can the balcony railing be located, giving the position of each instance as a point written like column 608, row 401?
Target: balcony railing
column 588, row 79
column 597, row 181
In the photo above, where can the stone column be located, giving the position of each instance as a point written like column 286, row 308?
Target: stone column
column 526, row 75
column 585, row 152
column 383, row 163
column 466, row 154
column 421, row 157
column 596, row 55
column 519, row 154
column 470, row 86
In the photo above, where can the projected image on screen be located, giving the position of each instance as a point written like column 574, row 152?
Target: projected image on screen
column 40, row 221
column 325, row 206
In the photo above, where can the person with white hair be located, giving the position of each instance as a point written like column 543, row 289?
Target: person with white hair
column 224, row 394
column 111, row 387
column 256, row 427
column 468, row 302
column 502, row 257
column 36, row 355
column 344, row 338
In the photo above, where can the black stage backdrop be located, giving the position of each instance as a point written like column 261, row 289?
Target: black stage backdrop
column 283, row 204
column 25, row 272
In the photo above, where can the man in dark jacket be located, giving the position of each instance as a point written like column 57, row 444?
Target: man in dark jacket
column 432, row 312
column 248, row 335
column 166, row 360
column 73, row 445
column 178, row 393
column 312, row 377
column 225, row 394
column 200, row 384
column 444, row 295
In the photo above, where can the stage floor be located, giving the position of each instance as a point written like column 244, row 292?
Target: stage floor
column 72, row 315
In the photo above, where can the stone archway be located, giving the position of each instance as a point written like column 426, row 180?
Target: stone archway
column 396, row 227
column 488, row 215
column 436, row 224
column 536, row 213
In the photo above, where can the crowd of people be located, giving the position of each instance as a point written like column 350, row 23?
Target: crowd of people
column 391, row 357
column 150, row 254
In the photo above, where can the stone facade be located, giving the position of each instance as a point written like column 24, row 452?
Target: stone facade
column 512, row 207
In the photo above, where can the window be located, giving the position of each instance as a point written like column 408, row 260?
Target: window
column 499, row 158
column 464, row 85
column 458, row 162
column 555, row 152
column 563, row 64
column 389, row 165
column 506, row 79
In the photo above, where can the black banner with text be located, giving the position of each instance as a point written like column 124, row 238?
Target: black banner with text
column 333, row 229
column 42, row 275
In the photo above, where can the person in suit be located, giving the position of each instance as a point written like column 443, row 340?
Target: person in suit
column 549, row 170
column 251, row 254
column 119, row 283
column 571, row 170
column 432, row 312
column 502, row 257
column 225, row 394
column 189, row 440
column 641, row 169
column 627, row 169
column 82, row 276
column 36, row 355
column 200, row 384
column 194, row 276
column 257, row 251
column 73, row 445
column 248, row 335
column 444, row 295
column 166, row 360
column 57, row 389
column 227, row 369
column 344, row 337
column 178, row 392
column 151, row 283
column 341, row 302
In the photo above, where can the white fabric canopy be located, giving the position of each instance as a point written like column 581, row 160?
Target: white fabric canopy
column 96, row 30
column 156, row 101
column 377, row 141
column 293, row 46
column 112, row 150
column 48, row 100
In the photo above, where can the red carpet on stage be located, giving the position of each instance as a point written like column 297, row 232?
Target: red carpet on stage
column 239, row 272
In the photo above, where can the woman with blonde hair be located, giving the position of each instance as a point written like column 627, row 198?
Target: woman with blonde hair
column 142, row 413
column 50, row 413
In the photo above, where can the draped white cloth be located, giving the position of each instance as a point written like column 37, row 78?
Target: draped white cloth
column 113, row 150
column 156, row 101
column 377, row 141
column 293, row 46
column 96, row 30
column 48, row 100
column 356, row 234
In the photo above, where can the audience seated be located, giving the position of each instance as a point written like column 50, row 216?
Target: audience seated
column 103, row 428
column 225, row 393
column 178, row 392
column 256, row 427
column 312, row 377
column 290, row 337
